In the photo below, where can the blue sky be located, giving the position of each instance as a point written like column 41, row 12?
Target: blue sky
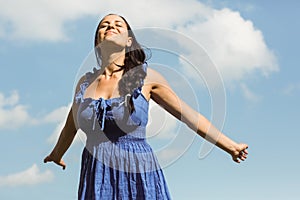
column 253, row 44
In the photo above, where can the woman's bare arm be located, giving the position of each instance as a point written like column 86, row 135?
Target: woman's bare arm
column 162, row 94
column 67, row 135
column 65, row 140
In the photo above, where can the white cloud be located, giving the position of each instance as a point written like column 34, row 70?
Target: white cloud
column 57, row 115
column 52, row 139
column 56, row 132
column 291, row 89
column 48, row 20
column 30, row 176
column 161, row 124
column 234, row 45
column 41, row 19
column 249, row 7
column 12, row 114
column 249, row 95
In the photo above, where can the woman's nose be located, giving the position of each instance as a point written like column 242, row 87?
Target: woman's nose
column 110, row 26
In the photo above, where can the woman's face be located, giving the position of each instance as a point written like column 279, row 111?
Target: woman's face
column 114, row 29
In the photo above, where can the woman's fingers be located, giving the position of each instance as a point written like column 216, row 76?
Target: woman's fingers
column 242, row 153
column 243, row 147
column 60, row 163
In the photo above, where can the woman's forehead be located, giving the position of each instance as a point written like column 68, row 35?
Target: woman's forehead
column 113, row 17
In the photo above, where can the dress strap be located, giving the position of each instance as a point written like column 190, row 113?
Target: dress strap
column 88, row 77
column 144, row 67
column 80, row 93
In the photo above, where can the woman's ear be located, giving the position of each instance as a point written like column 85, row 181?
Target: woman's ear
column 129, row 42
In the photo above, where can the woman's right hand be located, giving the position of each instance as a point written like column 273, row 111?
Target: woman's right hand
column 51, row 158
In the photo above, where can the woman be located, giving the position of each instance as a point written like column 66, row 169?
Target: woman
column 111, row 107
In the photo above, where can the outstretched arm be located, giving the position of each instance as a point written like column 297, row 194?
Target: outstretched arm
column 65, row 140
column 66, row 136
column 162, row 94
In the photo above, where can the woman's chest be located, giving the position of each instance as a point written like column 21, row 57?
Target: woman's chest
column 102, row 88
column 114, row 109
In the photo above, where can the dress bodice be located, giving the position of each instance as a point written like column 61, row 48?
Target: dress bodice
column 112, row 116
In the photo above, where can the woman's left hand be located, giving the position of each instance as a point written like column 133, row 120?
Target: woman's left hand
column 240, row 153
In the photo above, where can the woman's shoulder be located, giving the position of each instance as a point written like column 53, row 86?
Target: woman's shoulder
column 153, row 76
column 87, row 77
column 80, row 82
column 152, row 73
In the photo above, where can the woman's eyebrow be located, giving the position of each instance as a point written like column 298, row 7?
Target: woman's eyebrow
column 116, row 21
column 105, row 22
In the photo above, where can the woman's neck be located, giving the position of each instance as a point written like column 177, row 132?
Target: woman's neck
column 111, row 64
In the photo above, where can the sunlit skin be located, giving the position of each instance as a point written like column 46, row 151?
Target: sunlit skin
column 113, row 35
column 112, row 25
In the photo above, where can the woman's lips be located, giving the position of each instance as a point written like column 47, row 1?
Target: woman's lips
column 110, row 33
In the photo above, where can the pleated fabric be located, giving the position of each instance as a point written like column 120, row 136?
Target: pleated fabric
column 117, row 162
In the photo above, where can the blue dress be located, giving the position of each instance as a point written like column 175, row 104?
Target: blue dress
column 117, row 162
